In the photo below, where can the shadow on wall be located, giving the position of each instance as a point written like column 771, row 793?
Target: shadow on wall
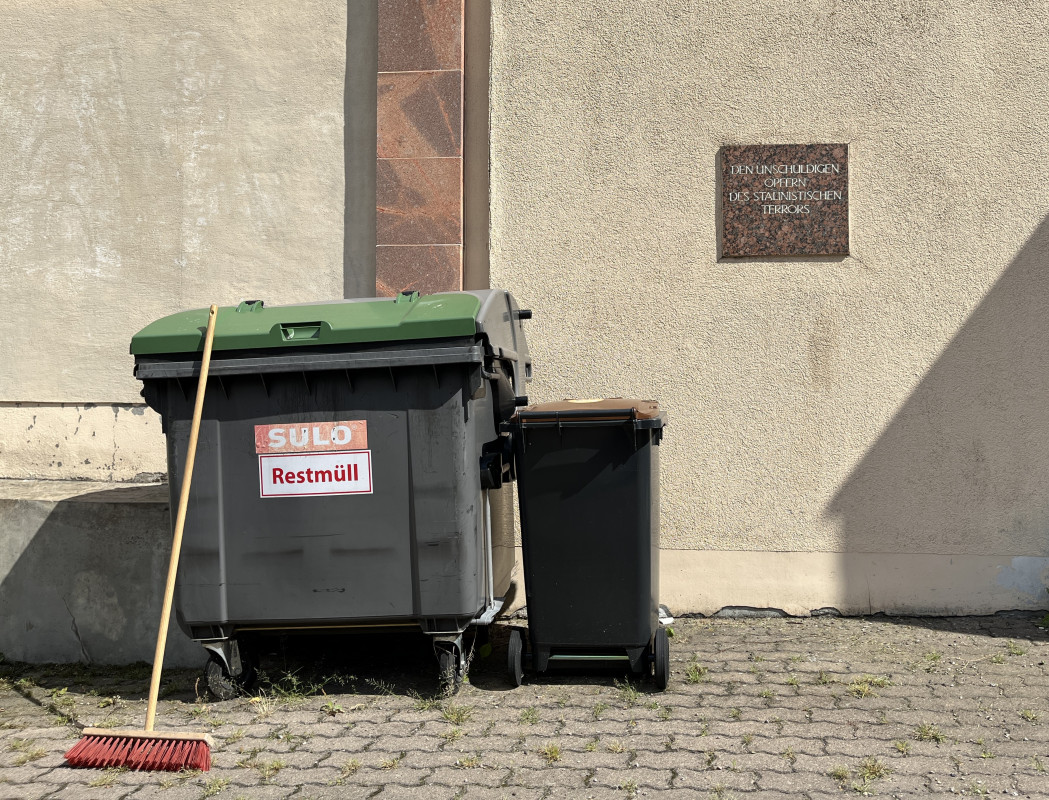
column 82, row 579
column 963, row 468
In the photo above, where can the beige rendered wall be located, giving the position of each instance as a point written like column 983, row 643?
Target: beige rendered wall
column 154, row 156
column 870, row 432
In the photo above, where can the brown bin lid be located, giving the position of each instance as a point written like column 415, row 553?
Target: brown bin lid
column 631, row 408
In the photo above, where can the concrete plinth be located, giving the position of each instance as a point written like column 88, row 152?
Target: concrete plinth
column 82, row 568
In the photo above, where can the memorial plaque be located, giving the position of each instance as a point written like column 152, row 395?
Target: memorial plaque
column 785, row 200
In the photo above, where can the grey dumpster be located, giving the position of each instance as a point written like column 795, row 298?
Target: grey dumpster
column 349, row 455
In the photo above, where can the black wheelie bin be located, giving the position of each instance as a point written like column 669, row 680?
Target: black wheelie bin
column 588, row 481
column 348, row 460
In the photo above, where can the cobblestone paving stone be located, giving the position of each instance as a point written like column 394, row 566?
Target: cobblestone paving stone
column 814, row 708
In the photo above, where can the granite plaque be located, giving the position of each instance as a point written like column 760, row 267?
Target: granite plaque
column 785, row 200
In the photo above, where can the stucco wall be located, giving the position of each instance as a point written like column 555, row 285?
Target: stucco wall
column 153, row 157
column 893, row 401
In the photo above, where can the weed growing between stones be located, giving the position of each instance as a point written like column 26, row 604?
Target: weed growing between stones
column 695, row 673
column 426, row 703
column 107, row 778
column 866, row 773
column 331, row 708
column 927, row 732
column 392, row 763
column 457, row 715
column 212, row 786
column 348, row 769
column 268, row 769
column 628, row 693
column 550, row 752
column 841, row 774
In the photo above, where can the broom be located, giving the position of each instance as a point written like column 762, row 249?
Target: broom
column 147, row 749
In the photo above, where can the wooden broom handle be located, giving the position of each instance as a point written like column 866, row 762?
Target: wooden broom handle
column 180, row 523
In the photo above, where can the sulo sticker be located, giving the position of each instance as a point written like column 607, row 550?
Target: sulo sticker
column 312, row 437
column 290, row 475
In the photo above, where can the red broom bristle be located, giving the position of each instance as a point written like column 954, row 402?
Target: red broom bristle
column 146, row 754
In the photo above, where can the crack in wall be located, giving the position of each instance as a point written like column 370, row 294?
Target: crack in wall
column 76, row 632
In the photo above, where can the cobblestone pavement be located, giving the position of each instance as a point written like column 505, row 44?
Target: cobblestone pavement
column 772, row 708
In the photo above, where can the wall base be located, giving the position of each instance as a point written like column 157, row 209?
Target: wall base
column 704, row 582
column 798, row 584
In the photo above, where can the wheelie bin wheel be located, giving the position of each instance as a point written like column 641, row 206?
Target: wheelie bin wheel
column 661, row 658
column 224, row 686
column 450, row 675
column 514, row 651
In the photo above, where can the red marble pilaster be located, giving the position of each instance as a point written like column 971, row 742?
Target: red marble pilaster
column 422, row 268
column 419, row 147
column 419, row 201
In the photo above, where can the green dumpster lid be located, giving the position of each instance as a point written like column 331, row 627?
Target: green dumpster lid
column 251, row 325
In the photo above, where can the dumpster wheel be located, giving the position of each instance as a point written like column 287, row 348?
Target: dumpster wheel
column 450, row 669
column 514, row 653
column 224, row 686
column 661, row 658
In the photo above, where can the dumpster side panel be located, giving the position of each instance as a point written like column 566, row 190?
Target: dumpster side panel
column 449, row 517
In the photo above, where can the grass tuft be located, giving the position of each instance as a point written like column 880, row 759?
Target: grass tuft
column 871, row 769
column 212, row 786
column 457, row 715
column 841, row 774
column 628, row 693
column 550, row 752
column 695, row 673
column 268, row 769
column 107, row 778
column 927, row 732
